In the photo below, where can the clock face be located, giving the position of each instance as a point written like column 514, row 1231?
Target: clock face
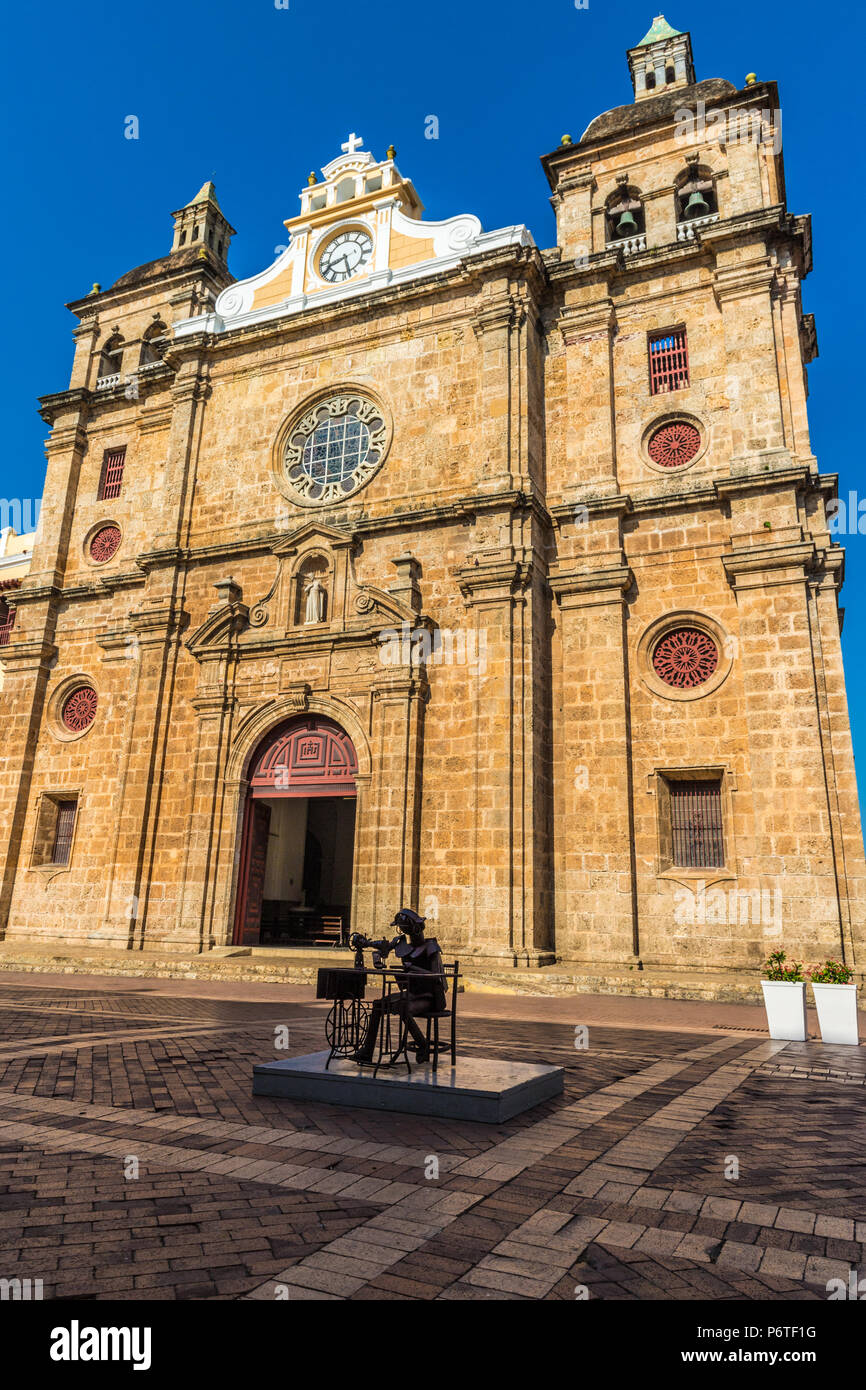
column 345, row 256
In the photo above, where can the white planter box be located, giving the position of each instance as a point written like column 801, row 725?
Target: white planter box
column 837, row 1013
column 786, row 1009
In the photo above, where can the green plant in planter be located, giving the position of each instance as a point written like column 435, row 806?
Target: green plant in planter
column 832, row 972
column 776, row 969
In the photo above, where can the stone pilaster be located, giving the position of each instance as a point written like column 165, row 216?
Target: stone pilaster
column 27, row 669
column 792, row 843
column 588, row 330
column 135, row 877
column 743, row 279
column 506, row 777
column 389, row 816
column 594, row 873
column 214, row 646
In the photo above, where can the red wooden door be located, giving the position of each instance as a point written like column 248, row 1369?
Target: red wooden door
column 254, row 854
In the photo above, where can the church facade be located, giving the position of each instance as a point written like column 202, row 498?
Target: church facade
column 432, row 568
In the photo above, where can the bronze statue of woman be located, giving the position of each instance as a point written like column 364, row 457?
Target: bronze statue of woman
column 420, row 956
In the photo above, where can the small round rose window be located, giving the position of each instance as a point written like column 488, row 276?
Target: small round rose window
column 79, row 709
column 105, row 543
column 675, row 444
column 685, row 658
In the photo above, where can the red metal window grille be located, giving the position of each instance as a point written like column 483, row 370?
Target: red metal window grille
column 685, row 658
column 63, row 831
column 112, row 473
column 668, row 361
column 7, row 622
column 674, row 444
column 696, row 825
column 105, row 543
column 79, row 711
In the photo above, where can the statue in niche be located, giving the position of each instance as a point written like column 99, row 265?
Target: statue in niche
column 315, row 608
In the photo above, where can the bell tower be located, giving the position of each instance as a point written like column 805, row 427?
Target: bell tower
column 201, row 223
column 662, row 61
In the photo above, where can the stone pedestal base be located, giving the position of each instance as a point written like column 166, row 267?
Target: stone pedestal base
column 476, row 1089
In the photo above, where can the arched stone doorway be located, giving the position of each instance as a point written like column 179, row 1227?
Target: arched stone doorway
column 298, row 838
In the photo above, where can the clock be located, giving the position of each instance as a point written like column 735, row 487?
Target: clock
column 346, row 255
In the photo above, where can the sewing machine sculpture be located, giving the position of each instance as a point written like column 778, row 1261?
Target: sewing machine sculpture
column 379, row 1033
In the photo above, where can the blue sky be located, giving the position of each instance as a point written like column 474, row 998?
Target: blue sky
column 254, row 97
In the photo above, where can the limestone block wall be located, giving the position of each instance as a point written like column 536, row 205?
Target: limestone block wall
column 512, row 773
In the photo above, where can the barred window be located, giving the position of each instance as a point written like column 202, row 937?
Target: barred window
column 7, row 622
column 697, row 839
column 668, row 361
column 112, row 473
column 63, row 828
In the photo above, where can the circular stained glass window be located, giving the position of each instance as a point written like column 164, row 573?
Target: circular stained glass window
column 674, row 444
column 685, row 658
column 335, row 449
column 79, row 709
column 105, row 543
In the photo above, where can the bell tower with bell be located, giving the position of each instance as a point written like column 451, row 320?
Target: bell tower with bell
column 662, row 61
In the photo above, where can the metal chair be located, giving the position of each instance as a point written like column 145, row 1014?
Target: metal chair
column 434, row 1047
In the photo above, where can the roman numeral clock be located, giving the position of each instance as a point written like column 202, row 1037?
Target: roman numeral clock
column 345, row 255
column 360, row 230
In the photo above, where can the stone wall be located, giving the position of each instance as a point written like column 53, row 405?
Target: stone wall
column 513, row 788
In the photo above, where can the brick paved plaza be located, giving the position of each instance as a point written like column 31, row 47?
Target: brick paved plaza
column 618, row 1186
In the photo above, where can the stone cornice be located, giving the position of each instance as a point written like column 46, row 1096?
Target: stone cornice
column 393, row 297
column 501, row 313
column 401, row 687
column 831, row 560
column 797, row 559
column 494, row 581
column 617, row 504
column 58, row 402
column 105, row 583
column 28, row 656
column 579, row 322
column 794, row 475
column 157, row 621
column 609, row 583
column 276, row 542
column 174, row 277
column 734, row 282
column 36, row 593
column 213, row 704
column 119, row 644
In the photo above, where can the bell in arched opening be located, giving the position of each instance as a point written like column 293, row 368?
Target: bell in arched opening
column 696, row 197
column 625, row 216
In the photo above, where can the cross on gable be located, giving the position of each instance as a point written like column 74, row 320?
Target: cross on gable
column 353, row 144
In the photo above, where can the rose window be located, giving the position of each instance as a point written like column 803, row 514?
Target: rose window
column 79, row 709
column 685, row 658
column 105, row 543
column 674, row 445
column 335, row 449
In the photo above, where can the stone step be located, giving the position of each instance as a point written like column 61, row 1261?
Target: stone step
column 289, row 965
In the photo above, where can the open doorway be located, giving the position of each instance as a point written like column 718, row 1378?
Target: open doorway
column 298, row 845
